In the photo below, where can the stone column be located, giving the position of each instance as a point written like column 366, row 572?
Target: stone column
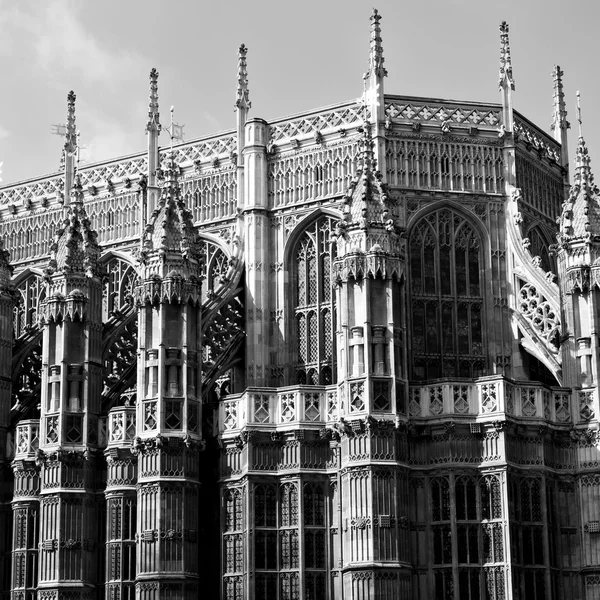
column 257, row 252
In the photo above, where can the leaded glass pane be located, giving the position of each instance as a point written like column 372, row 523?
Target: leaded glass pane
column 447, row 335
column 314, row 305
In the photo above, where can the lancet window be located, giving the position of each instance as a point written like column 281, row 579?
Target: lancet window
column 538, row 246
column 446, row 297
column 527, row 535
column 314, row 306
column 31, row 293
column 118, row 288
column 215, row 268
column 233, row 544
column 121, row 552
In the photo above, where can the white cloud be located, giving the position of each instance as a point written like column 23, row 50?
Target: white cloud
column 54, row 38
column 4, row 133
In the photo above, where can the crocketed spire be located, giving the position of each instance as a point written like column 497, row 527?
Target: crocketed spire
column 376, row 59
column 70, row 129
column 367, row 200
column 580, row 218
column 505, row 78
column 559, row 114
column 75, row 248
column 153, row 114
column 171, row 235
column 243, row 93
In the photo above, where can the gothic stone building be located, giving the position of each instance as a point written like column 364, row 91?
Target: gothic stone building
column 348, row 354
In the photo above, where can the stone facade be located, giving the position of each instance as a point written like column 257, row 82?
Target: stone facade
column 347, row 354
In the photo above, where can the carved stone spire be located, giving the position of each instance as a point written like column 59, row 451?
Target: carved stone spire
column 153, row 128
column 153, row 114
column 580, row 218
column 170, row 235
column 368, row 205
column 376, row 59
column 506, row 85
column 374, row 98
column 559, row 114
column 243, row 93
column 560, row 125
column 70, row 147
column 71, row 132
column 75, row 248
column 505, row 75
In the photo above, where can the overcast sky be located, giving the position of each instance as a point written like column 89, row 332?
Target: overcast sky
column 301, row 55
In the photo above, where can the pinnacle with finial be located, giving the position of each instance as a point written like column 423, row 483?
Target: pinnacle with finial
column 243, row 93
column 71, row 133
column 376, row 59
column 580, row 217
column 559, row 115
column 583, row 173
column 153, row 114
column 505, row 75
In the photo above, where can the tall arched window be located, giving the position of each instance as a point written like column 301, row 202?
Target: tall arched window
column 314, row 305
column 446, row 297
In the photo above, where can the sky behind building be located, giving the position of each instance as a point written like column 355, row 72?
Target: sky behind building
column 301, row 55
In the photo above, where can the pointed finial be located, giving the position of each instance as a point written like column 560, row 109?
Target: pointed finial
column 376, row 59
column 505, row 76
column 583, row 173
column 70, row 132
column 153, row 114
column 579, row 115
column 243, row 93
column 559, row 115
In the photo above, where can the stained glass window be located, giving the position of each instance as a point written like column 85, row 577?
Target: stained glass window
column 446, row 298
column 314, row 305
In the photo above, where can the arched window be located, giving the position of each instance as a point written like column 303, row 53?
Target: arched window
column 314, row 307
column 446, row 297
column 118, row 287
column 31, row 294
column 539, row 247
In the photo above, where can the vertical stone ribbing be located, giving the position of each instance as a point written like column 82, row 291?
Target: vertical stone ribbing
column 257, row 240
column 26, row 512
column 168, row 421
column 71, row 389
column 121, row 504
column 372, row 378
column 6, row 340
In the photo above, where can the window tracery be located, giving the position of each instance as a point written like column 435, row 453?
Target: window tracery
column 118, row 288
column 467, row 509
column 314, row 305
column 446, row 297
column 279, row 562
column 31, row 294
